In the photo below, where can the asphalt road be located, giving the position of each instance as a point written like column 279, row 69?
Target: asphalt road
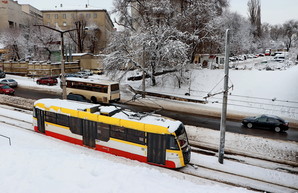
column 186, row 118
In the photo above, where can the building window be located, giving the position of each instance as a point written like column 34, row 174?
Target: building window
column 48, row 16
column 64, row 16
column 11, row 24
column 94, row 15
column 88, row 15
column 56, row 16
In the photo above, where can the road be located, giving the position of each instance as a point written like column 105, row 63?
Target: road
column 186, row 118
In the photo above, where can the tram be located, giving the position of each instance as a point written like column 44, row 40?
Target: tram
column 148, row 138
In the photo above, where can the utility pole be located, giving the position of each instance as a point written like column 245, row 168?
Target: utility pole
column 225, row 100
column 144, row 74
column 63, row 83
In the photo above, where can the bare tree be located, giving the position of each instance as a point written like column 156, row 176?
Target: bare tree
column 254, row 12
column 290, row 32
column 79, row 35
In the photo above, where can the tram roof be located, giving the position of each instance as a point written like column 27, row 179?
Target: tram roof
column 68, row 104
column 152, row 119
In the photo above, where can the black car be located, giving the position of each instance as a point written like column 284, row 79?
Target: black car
column 77, row 97
column 266, row 122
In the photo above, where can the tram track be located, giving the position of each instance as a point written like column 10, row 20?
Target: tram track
column 197, row 169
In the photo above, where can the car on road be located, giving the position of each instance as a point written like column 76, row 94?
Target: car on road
column 2, row 74
column 4, row 89
column 47, row 81
column 82, row 74
column 77, row 97
column 9, row 82
column 266, row 122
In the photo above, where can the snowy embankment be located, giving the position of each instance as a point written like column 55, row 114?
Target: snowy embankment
column 43, row 164
column 254, row 91
column 263, row 148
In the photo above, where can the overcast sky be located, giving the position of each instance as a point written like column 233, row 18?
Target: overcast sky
column 273, row 11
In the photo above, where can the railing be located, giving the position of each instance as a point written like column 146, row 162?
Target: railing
column 6, row 138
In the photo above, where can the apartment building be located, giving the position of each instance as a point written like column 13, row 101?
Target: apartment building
column 14, row 15
column 65, row 18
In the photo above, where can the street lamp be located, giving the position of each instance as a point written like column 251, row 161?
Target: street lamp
column 62, row 57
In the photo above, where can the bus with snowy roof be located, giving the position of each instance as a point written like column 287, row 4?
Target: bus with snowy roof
column 145, row 137
column 102, row 91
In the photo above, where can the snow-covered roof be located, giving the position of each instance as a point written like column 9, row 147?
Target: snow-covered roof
column 81, row 54
column 153, row 119
column 106, row 82
column 62, row 7
column 74, row 105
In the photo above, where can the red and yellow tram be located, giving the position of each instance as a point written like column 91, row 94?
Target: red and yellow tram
column 152, row 139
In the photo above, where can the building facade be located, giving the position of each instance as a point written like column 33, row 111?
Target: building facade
column 65, row 18
column 14, row 15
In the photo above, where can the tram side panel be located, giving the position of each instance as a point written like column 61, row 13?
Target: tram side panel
column 90, row 134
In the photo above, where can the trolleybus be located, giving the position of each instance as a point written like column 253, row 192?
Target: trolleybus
column 102, row 91
column 147, row 138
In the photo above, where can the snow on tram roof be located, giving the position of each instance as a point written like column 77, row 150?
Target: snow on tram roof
column 74, row 105
column 96, row 81
column 152, row 119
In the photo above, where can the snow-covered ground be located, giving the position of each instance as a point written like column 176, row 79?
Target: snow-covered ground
column 43, row 164
column 255, row 90
column 37, row 163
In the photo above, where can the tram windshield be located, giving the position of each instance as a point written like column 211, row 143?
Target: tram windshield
column 181, row 136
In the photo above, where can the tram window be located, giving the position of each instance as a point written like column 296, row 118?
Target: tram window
column 75, row 125
column 118, row 132
column 34, row 112
column 103, row 131
column 180, row 130
column 136, row 136
column 172, row 142
column 62, row 120
column 50, row 117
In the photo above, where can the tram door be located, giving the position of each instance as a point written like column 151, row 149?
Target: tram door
column 89, row 133
column 156, row 148
column 40, row 120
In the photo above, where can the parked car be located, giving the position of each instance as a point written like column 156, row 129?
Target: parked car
column 77, row 97
column 5, row 89
column 87, row 72
column 69, row 75
column 279, row 58
column 97, row 71
column 82, row 74
column 266, row 122
column 9, row 82
column 47, row 81
column 2, row 74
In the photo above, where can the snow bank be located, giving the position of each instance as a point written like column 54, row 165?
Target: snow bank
column 36, row 163
column 17, row 101
column 258, row 147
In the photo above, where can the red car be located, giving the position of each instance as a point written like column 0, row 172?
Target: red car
column 4, row 89
column 47, row 81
